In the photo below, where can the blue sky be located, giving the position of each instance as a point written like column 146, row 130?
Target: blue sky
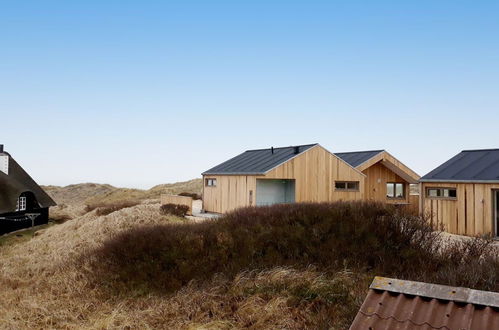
column 137, row 93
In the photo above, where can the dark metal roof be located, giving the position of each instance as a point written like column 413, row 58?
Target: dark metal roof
column 357, row 158
column 469, row 165
column 397, row 304
column 255, row 162
column 16, row 182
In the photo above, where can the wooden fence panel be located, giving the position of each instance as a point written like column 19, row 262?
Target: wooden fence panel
column 175, row 199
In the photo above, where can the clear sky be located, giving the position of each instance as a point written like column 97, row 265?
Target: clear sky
column 137, row 93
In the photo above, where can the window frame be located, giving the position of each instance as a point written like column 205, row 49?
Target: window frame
column 212, row 180
column 440, row 194
column 404, row 193
column 346, row 183
column 22, row 204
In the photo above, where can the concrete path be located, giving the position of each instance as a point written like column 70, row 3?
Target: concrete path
column 197, row 215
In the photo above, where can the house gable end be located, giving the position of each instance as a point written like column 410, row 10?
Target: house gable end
column 393, row 165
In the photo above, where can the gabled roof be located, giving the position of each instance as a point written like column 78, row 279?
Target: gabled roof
column 468, row 166
column 259, row 161
column 362, row 160
column 356, row 158
column 397, row 304
column 16, row 182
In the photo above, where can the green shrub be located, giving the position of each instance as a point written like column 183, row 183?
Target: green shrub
column 174, row 209
column 364, row 237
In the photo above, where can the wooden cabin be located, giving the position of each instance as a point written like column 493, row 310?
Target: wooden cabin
column 305, row 173
column 23, row 203
column 388, row 180
column 462, row 195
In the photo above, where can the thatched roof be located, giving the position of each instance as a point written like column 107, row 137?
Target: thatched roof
column 16, row 182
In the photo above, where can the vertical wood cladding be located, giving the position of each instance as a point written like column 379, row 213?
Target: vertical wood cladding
column 470, row 213
column 314, row 172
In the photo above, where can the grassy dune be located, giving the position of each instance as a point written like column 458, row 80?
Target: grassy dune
column 295, row 267
column 73, row 200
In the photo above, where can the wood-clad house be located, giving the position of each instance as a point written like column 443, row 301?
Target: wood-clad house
column 463, row 193
column 387, row 180
column 279, row 175
column 23, row 203
column 305, row 173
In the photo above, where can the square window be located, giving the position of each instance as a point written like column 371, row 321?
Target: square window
column 395, row 190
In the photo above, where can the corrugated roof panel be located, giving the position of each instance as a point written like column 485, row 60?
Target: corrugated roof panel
column 357, row 158
column 259, row 161
column 384, row 309
column 469, row 165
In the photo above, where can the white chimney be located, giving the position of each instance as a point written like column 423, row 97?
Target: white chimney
column 4, row 161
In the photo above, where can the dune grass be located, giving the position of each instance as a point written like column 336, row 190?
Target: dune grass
column 21, row 236
column 295, row 266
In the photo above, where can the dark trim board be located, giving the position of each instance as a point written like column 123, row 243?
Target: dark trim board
column 495, row 213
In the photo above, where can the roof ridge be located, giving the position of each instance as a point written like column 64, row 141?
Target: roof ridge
column 300, row 145
column 436, row 291
column 474, row 150
column 260, row 161
column 356, row 152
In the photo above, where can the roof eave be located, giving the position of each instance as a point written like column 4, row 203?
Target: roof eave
column 312, row 145
column 284, row 162
column 457, row 181
column 232, row 173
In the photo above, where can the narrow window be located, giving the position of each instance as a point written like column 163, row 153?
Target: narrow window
column 346, row 185
column 390, row 191
column 22, row 203
column 395, row 190
column 211, row 182
column 399, row 190
column 444, row 193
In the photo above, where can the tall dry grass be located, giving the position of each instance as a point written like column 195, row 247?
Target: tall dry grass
column 106, row 208
column 42, row 286
column 257, row 273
